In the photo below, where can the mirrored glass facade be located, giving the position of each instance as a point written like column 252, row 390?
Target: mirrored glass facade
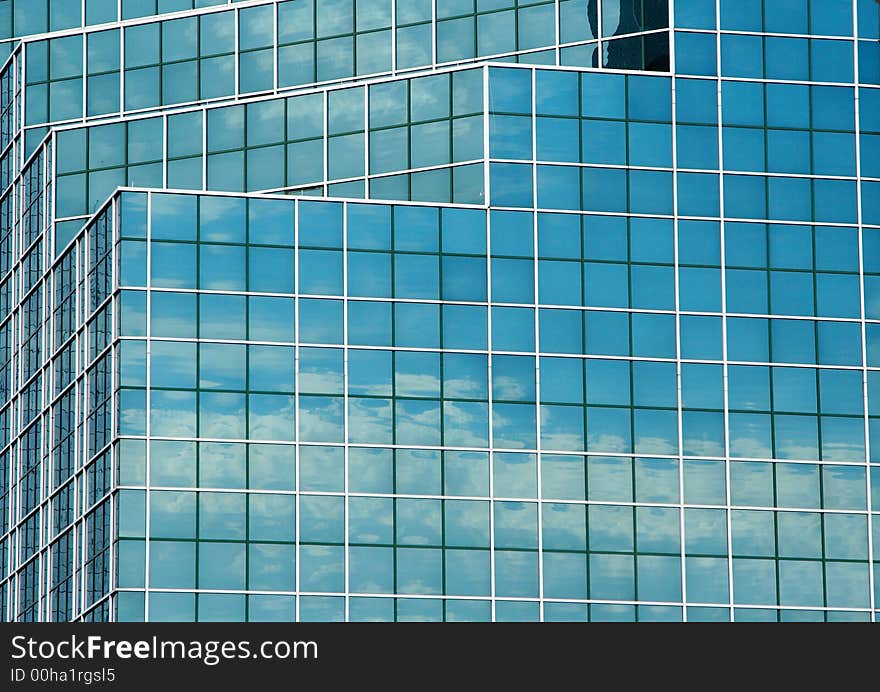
column 453, row 311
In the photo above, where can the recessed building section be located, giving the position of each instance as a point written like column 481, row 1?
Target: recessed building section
column 456, row 311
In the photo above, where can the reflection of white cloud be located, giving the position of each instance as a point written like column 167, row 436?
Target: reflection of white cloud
column 423, row 561
column 848, row 540
column 505, row 430
column 611, row 527
column 172, row 414
column 369, row 420
column 374, row 526
column 231, row 571
column 173, row 504
column 221, row 454
column 190, row 32
column 706, row 529
column 790, row 449
column 170, row 325
column 132, row 420
column 505, row 387
column 606, row 442
column 260, row 23
column 221, row 515
column 223, row 30
column 370, row 389
column 226, row 67
column 562, row 442
column 268, row 567
column 418, row 521
column 517, row 518
column 749, row 447
column 227, row 425
column 320, row 567
column 322, row 423
column 320, row 381
column 567, row 477
column 231, row 284
column 559, row 438
column 217, row 209
column 172, row 463
column 645, row 444
column 462, row 388
column 411, row 384
column 464, row 429
column 227, row 364
column 468, row 522
column 842, row 451
column 272, row 517
column 655, row 527
column 133, row 316
column 421, row 99
column 373, row 470
column 205, row 383
column 694, row 446
column 419, row 426
column 277, row 425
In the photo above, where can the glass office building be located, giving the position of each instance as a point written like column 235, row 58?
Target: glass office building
column 452, row 310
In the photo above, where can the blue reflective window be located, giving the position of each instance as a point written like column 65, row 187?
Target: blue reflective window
column 695, row 53
column 696, row 101
column 603, row 95
column 742, row 103
column 831, row 61
column 603, row 142
column 742, row 56
column 510, row 91
column 511, row 185
column 693, row 14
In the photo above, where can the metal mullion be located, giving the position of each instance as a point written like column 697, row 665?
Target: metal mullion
column 872, row 596
column 366, row 89
column 489, row 356
column 678, row 349
column 111, row 548
column 435, row 28
column 204, row 156
column 393, row 37
column 557, row 29
column 326, row 141
column 47, row 327
column 296, row 331
column 537, row 334
column 275, row 57
column 236, row 54
column 85, row 78
column 114, row 397
column 147, row 426
column 724, row 320
column 345, row 419
column 79, row 414
column 80, row 525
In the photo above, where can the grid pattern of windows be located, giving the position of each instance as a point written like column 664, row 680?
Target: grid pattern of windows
column 20, row 18
column 220, row 53
column 585, row 19
column 473, row 469
column 344, row 141
column 802, row 40
column 56, row 472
